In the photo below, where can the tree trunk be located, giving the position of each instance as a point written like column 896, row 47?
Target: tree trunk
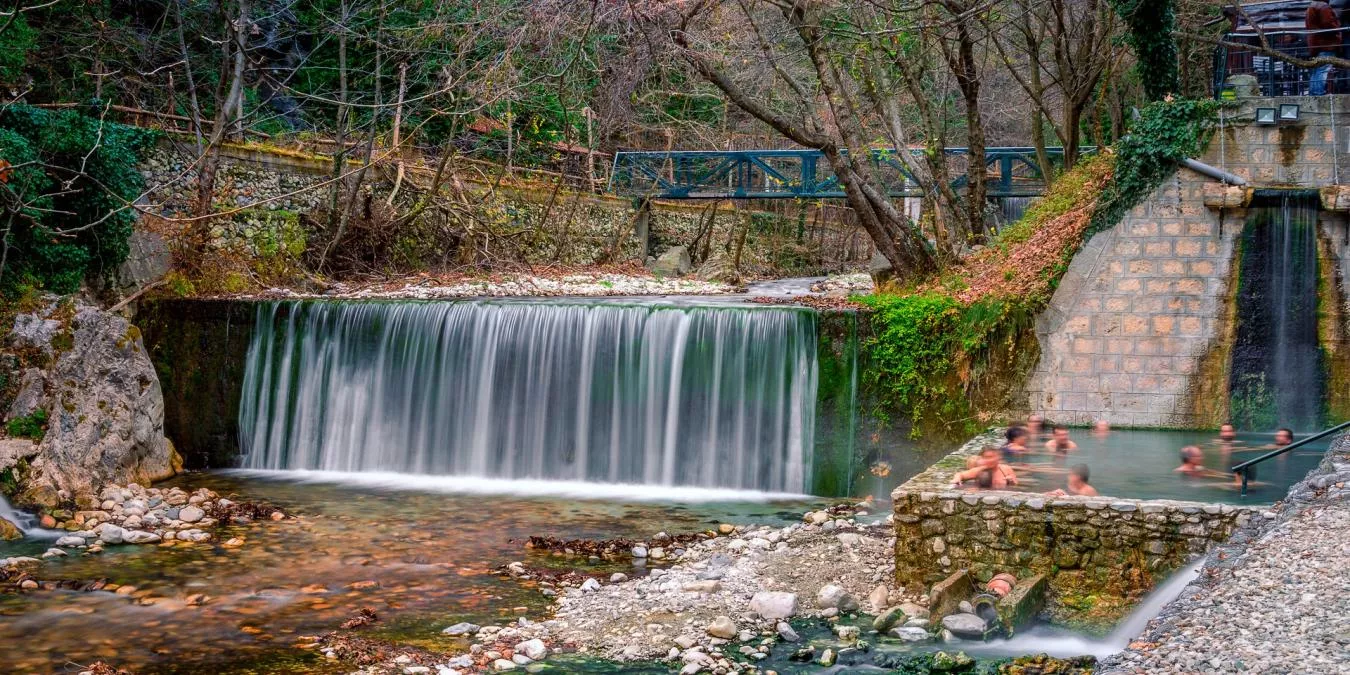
column 206, row 178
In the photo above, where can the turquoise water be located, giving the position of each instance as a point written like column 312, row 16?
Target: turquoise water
column 1139, row 464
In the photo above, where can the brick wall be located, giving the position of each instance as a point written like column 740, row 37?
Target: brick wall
column 1136, row 313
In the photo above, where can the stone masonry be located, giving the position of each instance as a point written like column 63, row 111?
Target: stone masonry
column 1312, row 152
column 1102, row 546
column 1136, row 312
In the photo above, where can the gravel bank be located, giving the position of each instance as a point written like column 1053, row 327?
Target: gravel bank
column 1274, row 599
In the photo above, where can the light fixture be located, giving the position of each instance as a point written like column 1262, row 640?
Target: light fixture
column 1288, row 112
column 1265, row 116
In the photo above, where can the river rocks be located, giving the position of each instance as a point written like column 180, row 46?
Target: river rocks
column 618, row 578
column 103, row 401
column 110, row 534
column 70, row 541
column 590, row 585
column 532, row 649
column 139, row 537
column 774, row 604
column 54, row 553
column 722, row 627
column 784, row 630
column 968, row 626
column 503, row 664
column 639, row 551
column 887, row 619
column 878, row 599
column 831, row 596
column 910, row 634
column 191, row 514
column 9, row 531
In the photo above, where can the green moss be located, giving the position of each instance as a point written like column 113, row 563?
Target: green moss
column 28, row 426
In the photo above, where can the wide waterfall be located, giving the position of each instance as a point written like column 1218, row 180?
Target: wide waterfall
column 1277, row 376
column 583, row 391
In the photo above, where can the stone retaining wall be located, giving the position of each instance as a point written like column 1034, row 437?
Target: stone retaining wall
column 1135, row 315
column 1088, row 547
column 543, row 227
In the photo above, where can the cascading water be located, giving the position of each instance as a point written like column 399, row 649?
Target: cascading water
column 1277, row 377
column 26, row 522
column 656, row 395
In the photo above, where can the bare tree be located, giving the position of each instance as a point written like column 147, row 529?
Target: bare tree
column 826, row 107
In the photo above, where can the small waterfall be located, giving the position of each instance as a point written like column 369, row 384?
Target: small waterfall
column 617, row 393
column 1011, row 209
column 26, row 522
column 1277, row 376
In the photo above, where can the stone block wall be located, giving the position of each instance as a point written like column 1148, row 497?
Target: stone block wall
column 1311, row 152
column 544, row 227
column 1100, row 546
column 1136, row 313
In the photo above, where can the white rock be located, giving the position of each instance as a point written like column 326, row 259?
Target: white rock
column 54, row 553
column 461, row 628
column 191, row 514
column 503, row 664
column 774, row 604
column 590, row 585
column 831, row 596
column 618, row 578
column 70, row 541
column 722, row 627
column 110, row 534
column 140, row 537
column 533, row 649
column 639, row 551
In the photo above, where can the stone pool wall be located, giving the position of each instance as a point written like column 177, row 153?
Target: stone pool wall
column 1094, row 550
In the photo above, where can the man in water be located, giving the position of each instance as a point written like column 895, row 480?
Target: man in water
column 1035, row 425
column 988, row 463
column 1284, row 437
column 1193, row 464
column 1060, row 443
column 1227, row 433
column 1078, row 483
column 1101, row 428
column 1017, row 442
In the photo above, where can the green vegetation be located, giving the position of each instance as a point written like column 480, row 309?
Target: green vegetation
column 1165, row 133
column 66, row 203
column 29, row 426
column 1152, row 24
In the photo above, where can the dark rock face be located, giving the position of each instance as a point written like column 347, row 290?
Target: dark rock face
column 104, row 407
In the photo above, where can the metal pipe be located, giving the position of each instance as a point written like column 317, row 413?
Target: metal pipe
column 1213, row 172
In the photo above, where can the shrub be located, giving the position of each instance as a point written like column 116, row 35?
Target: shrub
column 29, row 426
column 93, row 166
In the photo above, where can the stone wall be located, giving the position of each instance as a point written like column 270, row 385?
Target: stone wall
column 1088, row 547
column 1136, row 314
column 1311, row 152
column 541, row 226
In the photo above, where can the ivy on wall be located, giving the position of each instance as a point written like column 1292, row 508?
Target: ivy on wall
column 1151, row 26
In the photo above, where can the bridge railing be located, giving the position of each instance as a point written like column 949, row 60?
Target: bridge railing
column 805, row 174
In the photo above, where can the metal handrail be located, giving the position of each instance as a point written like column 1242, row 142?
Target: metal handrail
column 1242, row 468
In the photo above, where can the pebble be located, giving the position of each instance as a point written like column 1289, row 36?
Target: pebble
column 722, row 627
column 462, row 628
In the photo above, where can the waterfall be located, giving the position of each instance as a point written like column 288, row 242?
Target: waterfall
column 26, row 522
column 1277, row 376
column 584, row 391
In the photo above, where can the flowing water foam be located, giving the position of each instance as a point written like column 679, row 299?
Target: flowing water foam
column 534, row 395
column 26, row 522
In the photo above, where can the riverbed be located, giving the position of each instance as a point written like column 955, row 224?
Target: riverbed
column 421, row 560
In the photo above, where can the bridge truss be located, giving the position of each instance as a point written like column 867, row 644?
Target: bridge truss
column 804, row 174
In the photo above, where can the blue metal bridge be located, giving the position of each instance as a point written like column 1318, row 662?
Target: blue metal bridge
column 804, row 174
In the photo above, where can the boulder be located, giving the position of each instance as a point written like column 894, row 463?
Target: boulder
column 966, row 626
column 191, row 514
column 879, row 598
column 532, row 649
column 888, row 618
column 722, row 627
column 110, row 534
column 786, row 633
column 140, row 537
column 908, row 634
column 831, row 596
column 774, row 604
column 460, row 629
column 32, row 389
column 70, row 541
column 673, row 263
column 9, row 531
column 106, row 410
